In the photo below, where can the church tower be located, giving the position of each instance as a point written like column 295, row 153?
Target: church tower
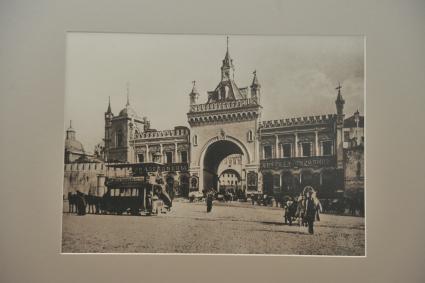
column 108, row 129
column 339, row 102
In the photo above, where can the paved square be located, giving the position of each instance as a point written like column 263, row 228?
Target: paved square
column 236, row 228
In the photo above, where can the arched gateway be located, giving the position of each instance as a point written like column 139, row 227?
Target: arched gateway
column 226, row 124
column 214, row 153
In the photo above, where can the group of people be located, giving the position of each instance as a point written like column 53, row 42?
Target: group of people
column 306, row 208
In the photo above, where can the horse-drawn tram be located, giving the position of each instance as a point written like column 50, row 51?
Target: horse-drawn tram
column 130, row 194
column 141, row 192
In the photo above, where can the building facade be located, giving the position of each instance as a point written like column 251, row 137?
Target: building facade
column 228, row 145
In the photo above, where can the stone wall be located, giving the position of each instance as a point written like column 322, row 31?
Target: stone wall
column 83, row 176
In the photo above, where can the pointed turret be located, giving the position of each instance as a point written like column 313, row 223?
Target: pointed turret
column 109, row 111
column 255, row 87
column 227, row 65
column 339, row 102
column 193, row 94
column 70, row 133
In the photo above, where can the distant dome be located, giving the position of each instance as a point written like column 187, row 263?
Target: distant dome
column 73, row 146
column 71, row 143
column 128, row 112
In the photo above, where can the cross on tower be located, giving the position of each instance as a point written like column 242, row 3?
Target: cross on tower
column 339, row 87
column 194, row 82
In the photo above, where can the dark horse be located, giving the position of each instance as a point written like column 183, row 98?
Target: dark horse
column 81, row 203
column 94, row 203
column 72, row 202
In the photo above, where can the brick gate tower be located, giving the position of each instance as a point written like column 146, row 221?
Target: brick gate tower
column 225, row 124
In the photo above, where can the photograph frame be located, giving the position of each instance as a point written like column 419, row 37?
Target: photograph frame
column 35, row 82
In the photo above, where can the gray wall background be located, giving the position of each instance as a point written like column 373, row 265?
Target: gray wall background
column 32, row 56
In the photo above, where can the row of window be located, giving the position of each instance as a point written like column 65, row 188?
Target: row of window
column 168, row 157
column 305, row 147
column 124, row 192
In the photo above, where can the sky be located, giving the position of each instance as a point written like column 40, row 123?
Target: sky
column 298, row 75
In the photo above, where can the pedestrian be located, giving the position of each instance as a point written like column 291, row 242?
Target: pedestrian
column 209, row 200
column 300, row 210
column 318, row 204
column 310, row 212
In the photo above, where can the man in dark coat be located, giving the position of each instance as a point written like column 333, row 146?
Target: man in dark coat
column 310, row 212
column 209, row 200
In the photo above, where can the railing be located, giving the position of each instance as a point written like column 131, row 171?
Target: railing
column 298, row 162
column 223, row 105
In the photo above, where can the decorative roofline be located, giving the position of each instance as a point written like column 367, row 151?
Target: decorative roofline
column 298, row 121
column 223, row 105
column 162, row 134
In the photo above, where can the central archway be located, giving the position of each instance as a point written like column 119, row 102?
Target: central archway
column 212, row 157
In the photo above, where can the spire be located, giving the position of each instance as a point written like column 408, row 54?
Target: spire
column 255, row 87
column 109, row 111
column 70, row 129
column 339, row 97
column 70, row 133
column 128, row 94
column 194, row 90
column 227, row 65
column 255, row 79
column 227, row 60
column 227, row 45
column 193, row 94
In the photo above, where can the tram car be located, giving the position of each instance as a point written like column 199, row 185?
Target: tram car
column 135, row 194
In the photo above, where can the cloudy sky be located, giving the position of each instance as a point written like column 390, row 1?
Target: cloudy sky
column 298, row 75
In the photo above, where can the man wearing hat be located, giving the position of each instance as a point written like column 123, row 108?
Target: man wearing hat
column 310, row 212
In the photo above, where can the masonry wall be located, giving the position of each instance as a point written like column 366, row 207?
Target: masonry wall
column 83, row 176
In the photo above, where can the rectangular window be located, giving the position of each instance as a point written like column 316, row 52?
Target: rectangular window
column 141, row 157
column 169, row 157
column 346, row 136
column 183, row 156
column 306, row 146
column 327, row 148
column 286, row 150
column 267, row 152
column 276, row 182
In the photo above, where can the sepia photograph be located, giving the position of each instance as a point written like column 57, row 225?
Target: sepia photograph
column 214, row 144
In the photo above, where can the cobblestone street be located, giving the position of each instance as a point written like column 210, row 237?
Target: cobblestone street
column 238, row 228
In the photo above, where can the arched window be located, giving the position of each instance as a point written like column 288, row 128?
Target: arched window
column 226, row 92
column 194, row 182
column 195, row 140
